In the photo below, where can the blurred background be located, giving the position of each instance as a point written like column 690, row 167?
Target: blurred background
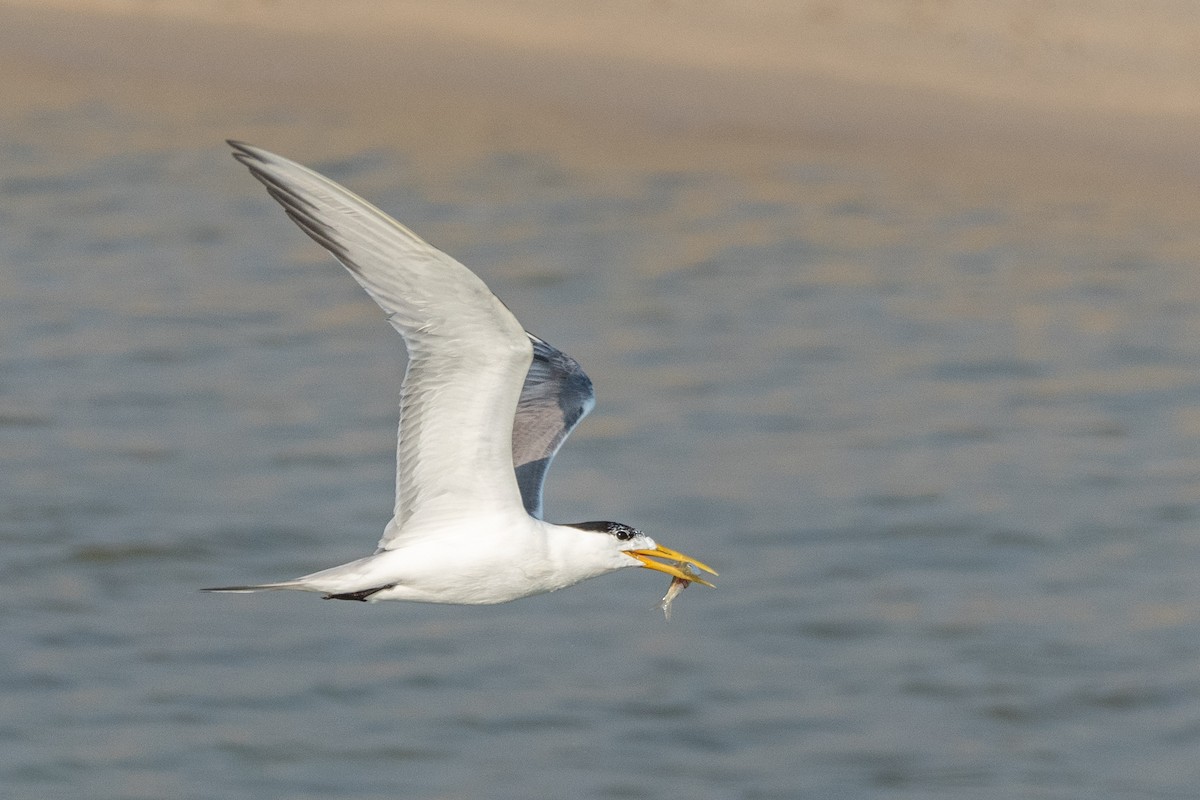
column 892, row 311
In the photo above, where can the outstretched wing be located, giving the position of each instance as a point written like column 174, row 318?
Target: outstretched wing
column 467, row 354
column 557, row 394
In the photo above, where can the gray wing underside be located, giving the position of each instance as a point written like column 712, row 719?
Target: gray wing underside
column 467, row 353
column 557, row 394
column 429, row 296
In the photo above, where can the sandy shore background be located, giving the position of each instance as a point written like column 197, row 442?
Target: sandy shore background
column 1086, row 85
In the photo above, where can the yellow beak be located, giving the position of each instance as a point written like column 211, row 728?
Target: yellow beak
column 678, row 569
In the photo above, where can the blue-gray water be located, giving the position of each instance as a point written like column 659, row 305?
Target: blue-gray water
column 943, row 446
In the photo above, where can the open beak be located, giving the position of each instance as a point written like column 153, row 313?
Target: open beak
column 678, row 569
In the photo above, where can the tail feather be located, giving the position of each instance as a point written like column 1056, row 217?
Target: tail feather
column 262, row 587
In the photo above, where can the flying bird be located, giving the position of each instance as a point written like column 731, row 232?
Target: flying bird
column 484, row 408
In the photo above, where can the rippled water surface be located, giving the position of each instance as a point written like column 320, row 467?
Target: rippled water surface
column 943, row 446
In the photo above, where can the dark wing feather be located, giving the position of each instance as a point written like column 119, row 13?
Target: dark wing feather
column 556, row 395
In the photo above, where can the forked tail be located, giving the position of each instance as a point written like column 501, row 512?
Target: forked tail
column 262, row 587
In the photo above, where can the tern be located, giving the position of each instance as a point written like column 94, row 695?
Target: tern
column 484, row 408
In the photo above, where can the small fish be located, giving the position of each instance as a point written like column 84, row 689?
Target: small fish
column 679, row 583
column 683, row 575
column 677, row 586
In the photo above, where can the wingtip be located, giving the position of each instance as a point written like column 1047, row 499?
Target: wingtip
column 244, row 152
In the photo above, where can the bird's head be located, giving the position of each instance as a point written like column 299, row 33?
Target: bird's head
column 632, row 548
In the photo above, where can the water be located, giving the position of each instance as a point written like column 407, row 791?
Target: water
column 941, row 442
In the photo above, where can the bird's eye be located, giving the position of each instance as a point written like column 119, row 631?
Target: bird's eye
column 625, row 534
